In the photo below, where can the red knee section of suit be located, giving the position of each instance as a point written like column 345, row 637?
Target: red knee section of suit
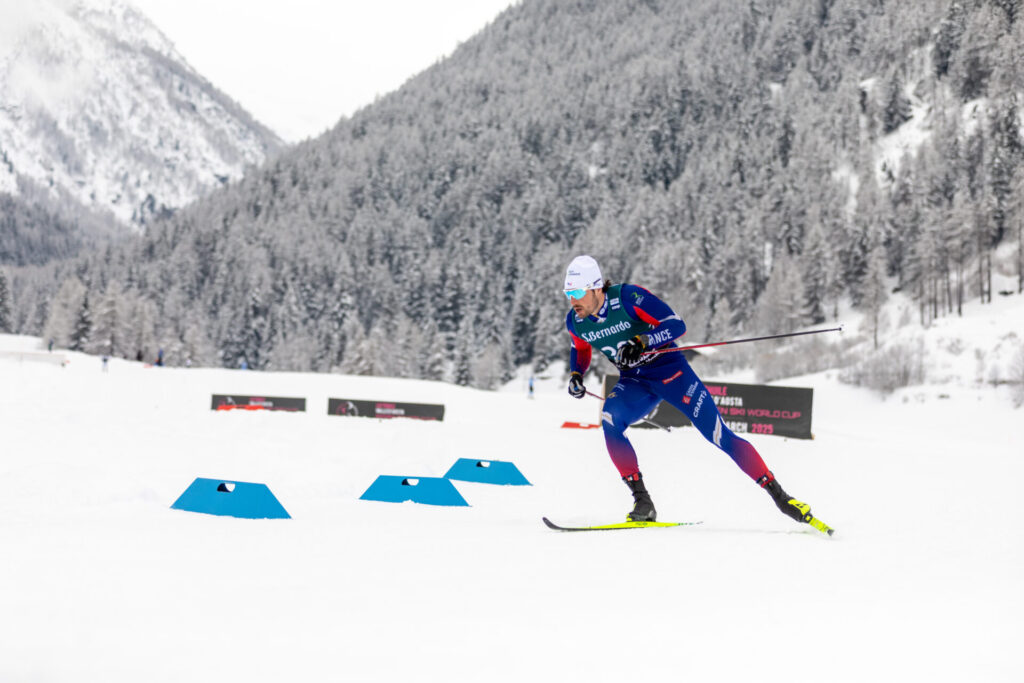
column 749, row 460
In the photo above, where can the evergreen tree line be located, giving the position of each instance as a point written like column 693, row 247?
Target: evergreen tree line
column 6, row 321
column 38, row 225
column 735, row 157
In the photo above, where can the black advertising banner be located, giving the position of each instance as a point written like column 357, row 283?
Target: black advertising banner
column 236, row 402
column 384, row 409
column 746, row 409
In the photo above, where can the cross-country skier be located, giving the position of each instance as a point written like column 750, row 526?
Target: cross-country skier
column 622, row 322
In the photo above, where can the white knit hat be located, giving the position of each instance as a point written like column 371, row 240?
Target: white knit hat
column 583, row 273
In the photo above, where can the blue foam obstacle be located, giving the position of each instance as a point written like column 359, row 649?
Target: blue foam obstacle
column 428, row 490
column 487, row 472
column 231, row 499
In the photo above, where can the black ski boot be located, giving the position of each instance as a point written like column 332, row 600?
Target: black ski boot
column 790, row 506
column 643, row 507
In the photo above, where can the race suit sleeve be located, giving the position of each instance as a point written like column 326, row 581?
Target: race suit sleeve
column 579, row 351
column 640, row 304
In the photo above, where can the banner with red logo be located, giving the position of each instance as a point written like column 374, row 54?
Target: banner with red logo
column 236, row 402
column 384, row 409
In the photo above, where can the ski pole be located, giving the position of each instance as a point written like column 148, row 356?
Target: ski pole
column 643, row 419
column 738, row 341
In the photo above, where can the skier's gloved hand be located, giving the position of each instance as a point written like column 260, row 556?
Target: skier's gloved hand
column 576, row 389
column 630, row 354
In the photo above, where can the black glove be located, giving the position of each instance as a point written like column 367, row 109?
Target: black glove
column 630, row 354
column 576, row 389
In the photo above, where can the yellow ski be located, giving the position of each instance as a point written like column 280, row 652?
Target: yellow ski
column 805, row 511
column 614, row 527
column 820, row 525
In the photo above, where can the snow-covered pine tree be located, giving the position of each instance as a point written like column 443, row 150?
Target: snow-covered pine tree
column 380, row 344
column 62, row 312
column 986, row 221
column 973, row 64
column 854, row 253
column 896, row 108
column 449, row 308
column 196, row 349
column 420, row 339
column 1005, row 156
column 524, row 323
column 1018, row 218
column 816, row 273
column 873, row 290
column 904, row 220
column 357, row 358
column 6, row 321
column 465, row 350
column 486, row 367
column 35, row 320
column 80, row 333
column 781, row 306
column 956, row 235
column 110, row 336
column 142, row 332
column 948, row 38
column 744, row 272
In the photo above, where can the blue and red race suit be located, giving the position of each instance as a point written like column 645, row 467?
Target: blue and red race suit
column 629, row 310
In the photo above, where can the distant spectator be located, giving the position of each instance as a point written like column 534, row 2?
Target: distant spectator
column 105, row 359
column 139, row 356
column 243, row 365
column 531, row 386
column 160, row 358
column 49, row 347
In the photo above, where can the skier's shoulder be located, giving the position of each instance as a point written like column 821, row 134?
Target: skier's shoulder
column 634, row 295
column 640, row 303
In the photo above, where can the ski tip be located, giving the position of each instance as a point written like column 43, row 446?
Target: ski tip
column 821, row 526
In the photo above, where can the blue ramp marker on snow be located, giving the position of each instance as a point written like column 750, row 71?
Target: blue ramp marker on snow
column 428, row 490
column 231, row 499
column 487, row 472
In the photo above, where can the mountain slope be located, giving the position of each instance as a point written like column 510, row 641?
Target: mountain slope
column 725, row 155
column 96, row 104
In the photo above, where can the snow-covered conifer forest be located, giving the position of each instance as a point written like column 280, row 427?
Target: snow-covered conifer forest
column 759, row 163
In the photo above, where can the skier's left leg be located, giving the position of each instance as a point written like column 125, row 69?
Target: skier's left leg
column 681, row 388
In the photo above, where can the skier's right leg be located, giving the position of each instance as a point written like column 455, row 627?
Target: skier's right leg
column 790, row 506
column 628, row 402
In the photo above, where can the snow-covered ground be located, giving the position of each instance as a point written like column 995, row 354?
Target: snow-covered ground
column 101, row 581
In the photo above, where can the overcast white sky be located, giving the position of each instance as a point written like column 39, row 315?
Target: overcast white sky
column 300, row 65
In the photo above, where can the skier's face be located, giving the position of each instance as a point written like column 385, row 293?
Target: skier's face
column 589, row 304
